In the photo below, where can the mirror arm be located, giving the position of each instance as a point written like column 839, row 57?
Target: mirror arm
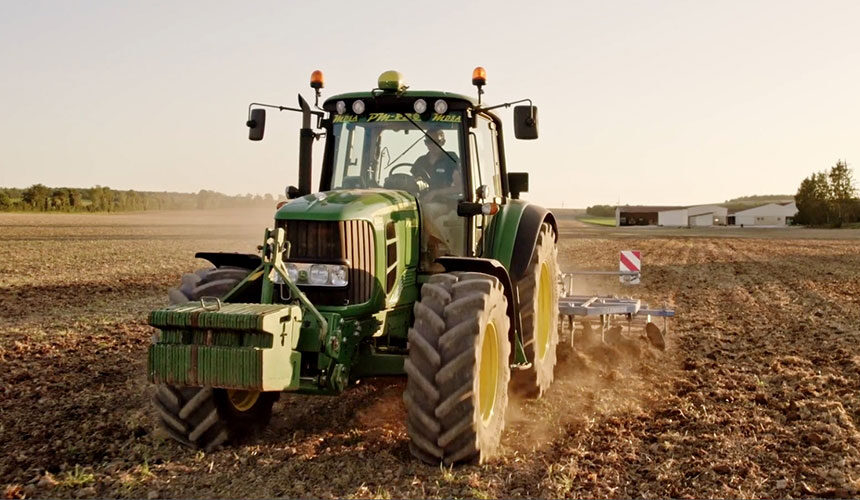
column 281, row 108
column 504, row 105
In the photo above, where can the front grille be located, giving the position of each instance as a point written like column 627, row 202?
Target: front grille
column 335, row 242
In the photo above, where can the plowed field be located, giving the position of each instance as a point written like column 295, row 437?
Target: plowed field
column 757, row 394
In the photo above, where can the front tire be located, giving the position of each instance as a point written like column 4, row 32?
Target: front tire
column 205, row 417
column 458, row 369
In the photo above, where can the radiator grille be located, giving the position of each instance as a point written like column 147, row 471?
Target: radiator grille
column 335, row 241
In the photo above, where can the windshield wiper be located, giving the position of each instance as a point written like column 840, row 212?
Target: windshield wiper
column 410, row 120
column 403, row 153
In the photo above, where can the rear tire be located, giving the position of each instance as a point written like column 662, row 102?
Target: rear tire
column 458, row 369
column 205, row 417
column 538, row 296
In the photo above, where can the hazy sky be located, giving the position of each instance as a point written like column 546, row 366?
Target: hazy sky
column 643, row 102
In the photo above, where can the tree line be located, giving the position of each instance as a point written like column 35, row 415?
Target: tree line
column 828, row 198
column 601, row 210
column 41, row 198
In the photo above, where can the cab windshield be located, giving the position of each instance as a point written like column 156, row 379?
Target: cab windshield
column 386, row 150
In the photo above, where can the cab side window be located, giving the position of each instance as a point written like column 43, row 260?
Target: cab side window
column 485, row 161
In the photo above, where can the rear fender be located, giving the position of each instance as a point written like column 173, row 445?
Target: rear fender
column 219, row 259
column 515, row 232
column 249, row 289
column 527, row 235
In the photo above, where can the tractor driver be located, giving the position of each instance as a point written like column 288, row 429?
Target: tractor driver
column 437, row 167
column 438, row 175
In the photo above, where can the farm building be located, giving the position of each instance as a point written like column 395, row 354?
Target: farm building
column 697, row 215
column 707, row 215
column 633, row 215
column 772, row 214
column 676, row 217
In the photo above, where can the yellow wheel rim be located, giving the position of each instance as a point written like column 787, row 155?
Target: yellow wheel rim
column 242, row 400
column 488, row 373
column 544, row 320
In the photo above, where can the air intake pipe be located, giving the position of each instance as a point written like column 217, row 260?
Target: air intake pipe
column 306, row 144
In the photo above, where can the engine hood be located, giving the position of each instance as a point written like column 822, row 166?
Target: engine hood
column 346, row 204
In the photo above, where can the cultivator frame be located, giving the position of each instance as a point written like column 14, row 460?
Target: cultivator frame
column 608, row 309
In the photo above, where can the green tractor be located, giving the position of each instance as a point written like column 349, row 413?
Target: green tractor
column 416, row 257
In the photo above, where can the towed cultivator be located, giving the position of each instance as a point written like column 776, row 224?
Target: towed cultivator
column 611, row 311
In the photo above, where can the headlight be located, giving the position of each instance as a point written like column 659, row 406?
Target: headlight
column 339, row 276
column 420, row 106
column 440, row 107
column 358, row 107
column 317, row 274
column 293, row 272
column 276, row 278
column 341, row 107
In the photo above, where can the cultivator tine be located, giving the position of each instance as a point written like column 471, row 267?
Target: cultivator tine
column 587, row 332
column 613, row 335
column 655, row 336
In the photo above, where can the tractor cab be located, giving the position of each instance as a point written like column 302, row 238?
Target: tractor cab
column 444, row 149
column 440, row 147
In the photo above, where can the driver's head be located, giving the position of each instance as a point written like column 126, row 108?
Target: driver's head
column 438, row 135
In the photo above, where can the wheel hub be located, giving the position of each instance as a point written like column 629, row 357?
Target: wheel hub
column 242, row 400
column 488, row 373
column 544, row 321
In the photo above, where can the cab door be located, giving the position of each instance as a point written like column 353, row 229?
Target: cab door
column 486, row 183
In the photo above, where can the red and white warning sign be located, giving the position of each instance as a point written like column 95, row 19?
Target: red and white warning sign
column 630, row 260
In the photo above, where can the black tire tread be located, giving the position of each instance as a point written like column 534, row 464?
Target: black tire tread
column 441, row 419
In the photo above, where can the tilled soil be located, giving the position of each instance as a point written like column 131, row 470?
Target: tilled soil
column 757, row 394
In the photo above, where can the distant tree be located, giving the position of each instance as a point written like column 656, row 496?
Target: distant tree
column 37, row 197
column 842, row 192
column 101, row 198
column 827, row 198
column 761, row 199
column 204, row 199
column 76, row 200
column 601, row 211
column 5, row 200
column 60, row 199
column 812, row 199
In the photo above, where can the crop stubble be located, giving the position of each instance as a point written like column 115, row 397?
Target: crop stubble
column 756, row 395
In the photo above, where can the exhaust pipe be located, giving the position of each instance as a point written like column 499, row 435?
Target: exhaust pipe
column 306, row 143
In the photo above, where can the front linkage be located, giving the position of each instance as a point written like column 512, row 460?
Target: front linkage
column 253, row 347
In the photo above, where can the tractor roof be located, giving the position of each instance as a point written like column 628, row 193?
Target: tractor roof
column 438, row 94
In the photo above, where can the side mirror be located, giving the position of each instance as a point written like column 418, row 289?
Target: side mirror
column 525, row 122
column 292, row 192
column 518, row 182
column 257, row 124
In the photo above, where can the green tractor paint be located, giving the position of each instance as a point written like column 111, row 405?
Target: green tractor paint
column 415, row 257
